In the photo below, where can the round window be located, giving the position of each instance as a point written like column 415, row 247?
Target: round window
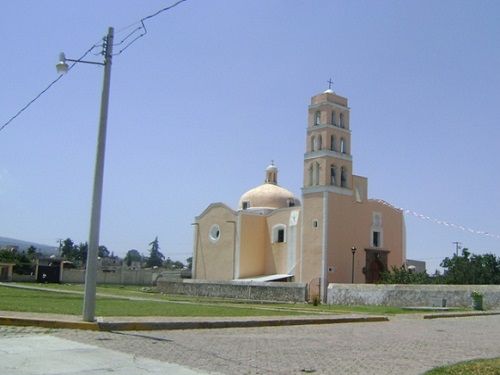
column 214, row 233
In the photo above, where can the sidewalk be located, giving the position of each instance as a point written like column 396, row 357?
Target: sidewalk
column 48, row 355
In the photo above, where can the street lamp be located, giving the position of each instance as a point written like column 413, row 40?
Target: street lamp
column 353, row 251
column 95, row 217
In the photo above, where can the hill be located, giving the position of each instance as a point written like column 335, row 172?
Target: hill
column 23, row 245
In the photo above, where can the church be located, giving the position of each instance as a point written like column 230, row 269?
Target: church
column 333, row 234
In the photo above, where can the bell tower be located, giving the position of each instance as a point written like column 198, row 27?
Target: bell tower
column 328, row 160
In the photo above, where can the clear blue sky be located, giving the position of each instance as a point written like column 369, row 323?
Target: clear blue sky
column 216, row 89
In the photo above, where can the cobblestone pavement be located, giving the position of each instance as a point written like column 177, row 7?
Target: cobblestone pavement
column 407, row 344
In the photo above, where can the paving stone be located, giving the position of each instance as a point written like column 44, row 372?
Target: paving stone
column 405, row 345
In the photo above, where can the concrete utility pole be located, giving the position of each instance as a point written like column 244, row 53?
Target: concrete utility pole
column 95, row 217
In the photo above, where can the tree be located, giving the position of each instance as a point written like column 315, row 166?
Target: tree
column 69, row 250
column 83, row 249
column 189, row 262
column 155, row 256
column 132, row 256
column 103, row 252
column 22, row 263
column 32, row 252
column 170, row 264
column 471, row 269
column 402, row 275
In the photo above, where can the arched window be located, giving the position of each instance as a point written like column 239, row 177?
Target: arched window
column 317, row 118
column 334, row 118
column 311, row 175
column 332, row 142
column 342, row 146
column 316, row 173
column 333, row 175
column 312, row 143
column 341, row 120
column 343, row 177
column 279, row 233
column 317, row 143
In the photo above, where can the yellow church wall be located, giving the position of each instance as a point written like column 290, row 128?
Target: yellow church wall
column 277, row 257
column 254, row 244
column 350, row 225
column 309, row 261
column 214, row 260
column 393, row 232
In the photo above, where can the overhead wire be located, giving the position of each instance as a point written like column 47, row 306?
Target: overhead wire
column 44, row 90
column 142, row 27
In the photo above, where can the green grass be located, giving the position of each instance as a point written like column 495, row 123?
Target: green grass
column 157, row 304
column 13, row 299
column 477, row 367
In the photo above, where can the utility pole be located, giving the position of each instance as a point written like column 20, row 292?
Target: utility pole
column 457, row 246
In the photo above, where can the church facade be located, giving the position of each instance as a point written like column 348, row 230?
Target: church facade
column 333, row 234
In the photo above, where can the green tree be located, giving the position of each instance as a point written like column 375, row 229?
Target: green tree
column 170, row 264
column 69, row 250
column 155, row 258
column 22, row 263
column 132, row 256
column 189, row 262
column 103, row 252
column 402, row 275
column 83, row 249
column 471, row 269
column 32, row 252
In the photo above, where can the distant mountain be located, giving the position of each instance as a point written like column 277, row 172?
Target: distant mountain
column 23, row 245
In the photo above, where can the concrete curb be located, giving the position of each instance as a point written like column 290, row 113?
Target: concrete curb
column 150, row 326
column 460, row 315
column 47, row 323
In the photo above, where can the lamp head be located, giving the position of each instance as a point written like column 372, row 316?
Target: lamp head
column 61, row 66
column 353, row 249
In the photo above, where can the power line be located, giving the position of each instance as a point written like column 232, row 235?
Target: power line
column 44, row 90
column 142, row 27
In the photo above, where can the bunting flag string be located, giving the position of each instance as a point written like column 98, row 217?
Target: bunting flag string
column 440, row 222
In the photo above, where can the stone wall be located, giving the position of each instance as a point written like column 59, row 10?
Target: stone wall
column 121, row 276
column 256, row 291
column 411, row 295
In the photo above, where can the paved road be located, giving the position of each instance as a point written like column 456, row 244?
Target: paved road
column 405, row 345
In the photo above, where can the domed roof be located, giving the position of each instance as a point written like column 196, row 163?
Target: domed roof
column 268, row 195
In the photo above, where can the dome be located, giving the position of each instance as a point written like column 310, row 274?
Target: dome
column 268, row 195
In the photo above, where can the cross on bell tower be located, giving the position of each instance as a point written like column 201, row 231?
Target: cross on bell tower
column 330, row 84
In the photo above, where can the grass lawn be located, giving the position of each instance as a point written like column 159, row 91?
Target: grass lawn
column 14, row 299
column 116, row 300
column 477, row 367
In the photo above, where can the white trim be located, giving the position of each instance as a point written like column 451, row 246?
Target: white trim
column 265, row 278
column 195, row 248
column 236, row 260
column 331, row 104
column 274, row 233
column 327, row 188
column 326, row 152
column 214, row 233
column 316, row 128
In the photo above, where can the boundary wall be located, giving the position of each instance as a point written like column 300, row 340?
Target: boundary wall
column 122, row 276
column 404, row 295
column 248, row 290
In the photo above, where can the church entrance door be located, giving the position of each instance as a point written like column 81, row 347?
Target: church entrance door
column 376, row 263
